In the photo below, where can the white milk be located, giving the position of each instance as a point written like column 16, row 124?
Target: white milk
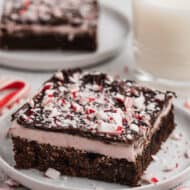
column 162, row 37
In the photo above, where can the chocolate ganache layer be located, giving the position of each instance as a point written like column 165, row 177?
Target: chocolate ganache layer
column 96, row 106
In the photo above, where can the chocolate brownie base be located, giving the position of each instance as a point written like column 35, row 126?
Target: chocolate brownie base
column 82, row 42
column 30, row 154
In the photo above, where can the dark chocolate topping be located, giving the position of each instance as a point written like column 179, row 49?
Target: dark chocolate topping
column 93, row 105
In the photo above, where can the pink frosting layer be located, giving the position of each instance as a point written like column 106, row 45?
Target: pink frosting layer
column 65, row 140
column 117, row 150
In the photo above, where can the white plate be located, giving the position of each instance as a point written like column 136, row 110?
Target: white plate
column 36, row 180
column 113, row 30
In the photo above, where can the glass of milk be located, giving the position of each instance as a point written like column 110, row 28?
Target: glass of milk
column 162, row 41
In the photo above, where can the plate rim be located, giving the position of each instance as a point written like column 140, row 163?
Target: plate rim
column 95, row 57
column 33, row 182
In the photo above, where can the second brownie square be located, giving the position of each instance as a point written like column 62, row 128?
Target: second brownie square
column 49, row 24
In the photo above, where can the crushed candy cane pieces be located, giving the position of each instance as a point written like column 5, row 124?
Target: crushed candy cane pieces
column 170, row 167
column 52, row 173
column 187, row 104
column 155, row 158
column 149, row 178
column 176, row 136
column 154, row 180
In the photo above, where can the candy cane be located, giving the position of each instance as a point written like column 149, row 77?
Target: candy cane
column 19, row 89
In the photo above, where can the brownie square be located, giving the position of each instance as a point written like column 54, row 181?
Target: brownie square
column 49, row 24
column 91, row 125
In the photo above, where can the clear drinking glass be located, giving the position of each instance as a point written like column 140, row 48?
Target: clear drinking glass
column 162, row 42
